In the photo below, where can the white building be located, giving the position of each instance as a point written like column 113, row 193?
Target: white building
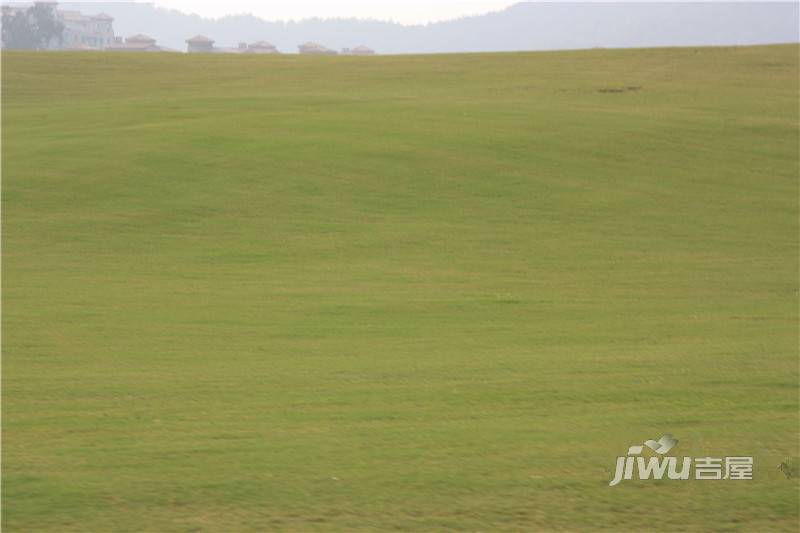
column 315, row 49
column 360, row 50
column 137, row 43
column 261, row 47
column 85, row 32
column 199, row 43
column 203, row 44
column 81, row 32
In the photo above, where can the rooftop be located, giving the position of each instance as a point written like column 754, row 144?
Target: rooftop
column 73, row 16
column 139, row 38
column 200, row 39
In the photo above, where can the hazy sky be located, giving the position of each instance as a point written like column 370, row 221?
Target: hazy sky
column 406, row 12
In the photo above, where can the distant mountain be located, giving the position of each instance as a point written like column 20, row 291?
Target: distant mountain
column 523, row 26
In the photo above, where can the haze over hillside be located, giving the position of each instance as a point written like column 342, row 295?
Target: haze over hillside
column 523, row 26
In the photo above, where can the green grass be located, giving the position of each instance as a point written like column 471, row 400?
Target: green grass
column 397, row 293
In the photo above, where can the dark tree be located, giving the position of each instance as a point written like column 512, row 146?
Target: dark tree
column 32, row 29
column 17, row 31
column 48, row 27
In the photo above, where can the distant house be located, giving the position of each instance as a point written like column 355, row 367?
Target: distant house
column 200, row 44
column 315, row 49
column 81, row 32
column 85, row 32
column 136, row 43
column 203, row 44
column 360, row 50
column 261, row 47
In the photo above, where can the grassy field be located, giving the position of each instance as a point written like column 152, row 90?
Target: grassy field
column 415, row 293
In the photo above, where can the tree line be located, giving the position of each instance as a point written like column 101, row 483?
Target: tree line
column 34, row 28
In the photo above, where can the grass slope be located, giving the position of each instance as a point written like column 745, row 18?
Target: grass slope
column 417, row 293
